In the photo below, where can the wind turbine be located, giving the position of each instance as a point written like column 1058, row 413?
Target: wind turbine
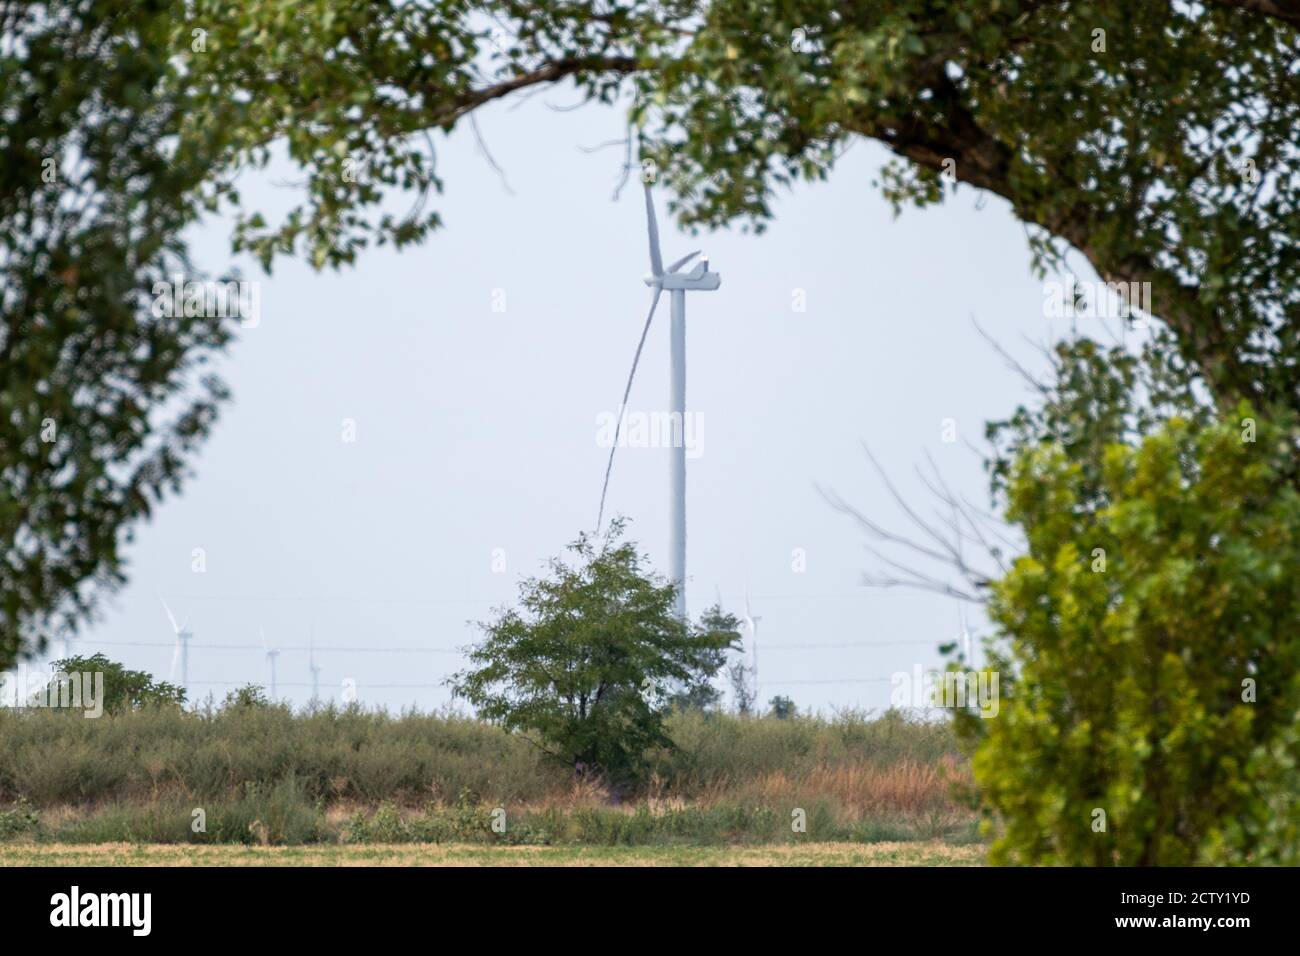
column 313, row 667
column 181, row 653
column 751, row 625
column 964, row 635
column 678, row 283
column 271, row 655
column 65, row 643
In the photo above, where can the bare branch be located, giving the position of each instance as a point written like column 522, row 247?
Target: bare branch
column 626, row 173
column 1011, row 361
column 605, row 145
column 959, row 523
column 907, row 509
column 840, row 505
column 487, row 153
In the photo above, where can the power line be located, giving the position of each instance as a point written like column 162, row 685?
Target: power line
column 360, row 684
column 366, row 649
column 832, row 680
column 804, row 647
column 332, row 599
column 383, row 599
column 287, row 647
column 397, row 649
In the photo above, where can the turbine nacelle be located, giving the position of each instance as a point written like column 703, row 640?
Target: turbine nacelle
column 660, row 278
column 698, row 278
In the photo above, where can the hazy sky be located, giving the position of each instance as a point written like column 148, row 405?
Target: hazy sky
column 477, row 430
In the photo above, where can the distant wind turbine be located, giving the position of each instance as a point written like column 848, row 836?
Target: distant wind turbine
column 659, row 279
column 181, row 652
column 964, row 636
column 313, row 667
column 271, row 655
column 65, row 642
column 751, row 625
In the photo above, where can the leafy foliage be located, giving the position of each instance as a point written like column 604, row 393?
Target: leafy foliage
column 783, row 708
column 1151, row 657
column 1111, row 128
column 18, row 821
column 741, row 678
column 1095, row 397
column 101, row 400
column 701, row 692
column 124, row 689
column 590, row 660
column 246, row 696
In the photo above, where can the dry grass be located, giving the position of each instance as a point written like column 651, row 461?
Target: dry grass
column 861, row 789
column 270, row 776
column 357, row 757
column 810, row 854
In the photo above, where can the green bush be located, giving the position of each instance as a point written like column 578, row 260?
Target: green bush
column 1151, row 634
column 18, row 821
column 124, row 689
column 332, row 754
column 271, row 815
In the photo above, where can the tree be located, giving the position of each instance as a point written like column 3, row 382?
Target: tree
column 1156, row 139
column 124, row 689
column 101, row 397
column 701, row 692
column 585, row 666
column 741, row 678
column 246, row 697
column 1150, row 668
column 783, row 708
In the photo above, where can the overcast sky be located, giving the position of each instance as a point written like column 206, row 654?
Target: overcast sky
column 476, row 430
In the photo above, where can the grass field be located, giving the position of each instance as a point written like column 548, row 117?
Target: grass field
column 329, row 780
column 811, row 854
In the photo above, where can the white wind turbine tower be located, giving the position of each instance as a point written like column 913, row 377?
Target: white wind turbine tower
column 313, row 667
column 678, row 283
column 964, row 635
column 751, row 625
column 271, row 655
column 181, row 653
column 65, row 643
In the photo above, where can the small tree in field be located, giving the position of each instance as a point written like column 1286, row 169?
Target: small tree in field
column 246, row 697
column 783, row 708
column 585, row 665
column 700, row 693
column 124, row 689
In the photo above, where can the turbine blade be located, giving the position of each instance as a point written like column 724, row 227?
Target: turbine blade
column 170, row 616
column 176, row 659
column 618, row 425
column 262, row 632
column 656, row 260
column 683, row 260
